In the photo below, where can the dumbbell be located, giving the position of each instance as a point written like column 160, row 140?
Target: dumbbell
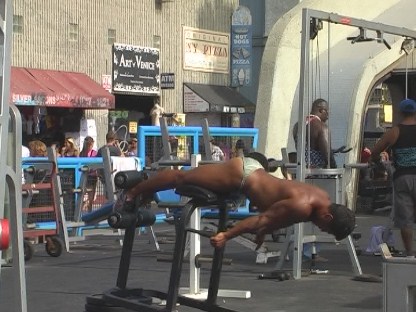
column 284, row 276
column 279, row 275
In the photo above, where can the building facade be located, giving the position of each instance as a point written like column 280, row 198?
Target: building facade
column 78, row 36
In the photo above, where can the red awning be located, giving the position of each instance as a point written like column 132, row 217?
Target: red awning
column 55, row 88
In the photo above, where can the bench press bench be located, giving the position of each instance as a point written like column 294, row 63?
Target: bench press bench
column 140, row 299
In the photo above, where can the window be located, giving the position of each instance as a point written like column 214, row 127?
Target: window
column 73, row 32
column 111, row 36
column 18, row 24
column 156, row 42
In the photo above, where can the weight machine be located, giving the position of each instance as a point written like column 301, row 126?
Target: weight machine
column 310, row 21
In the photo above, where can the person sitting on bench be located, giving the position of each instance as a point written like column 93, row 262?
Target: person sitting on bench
column 280, row 203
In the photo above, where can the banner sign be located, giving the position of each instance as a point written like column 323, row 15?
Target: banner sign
column 167, row 81
column 135, row 70
column 106, row 82
column 193, row 103
column 241, row 47
column 206, row 51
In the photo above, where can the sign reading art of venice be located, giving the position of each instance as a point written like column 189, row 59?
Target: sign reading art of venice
column 135, row 70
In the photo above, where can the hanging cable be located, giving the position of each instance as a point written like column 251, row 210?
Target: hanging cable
column 310, row 94
column 318, row 70
column 406, row 74
column 328, row 94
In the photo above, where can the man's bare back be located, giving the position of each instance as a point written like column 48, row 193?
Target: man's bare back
column 281, row 203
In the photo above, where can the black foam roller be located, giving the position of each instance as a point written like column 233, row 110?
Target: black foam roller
column 145, row 217
column 122, row 220
column 128, row 179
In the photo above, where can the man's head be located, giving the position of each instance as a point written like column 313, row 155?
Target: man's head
column 407, row 107
column 110, row 137
column 343, row 222
column 339, row 221
column 133, row 143
column 320, row 109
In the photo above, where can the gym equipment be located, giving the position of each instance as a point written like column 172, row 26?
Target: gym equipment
column 41, row 179
column 126, row 219
column 128, row 179
column 399, row 281
column 356, row 237
column 4, row 234
column 10, row 166
column 240, row 210
column 305, row 91
column 138, row 298
column 282, row 275
column 98, row 215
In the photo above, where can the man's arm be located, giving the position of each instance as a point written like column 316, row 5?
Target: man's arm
column 387, row 140
column 279, row 215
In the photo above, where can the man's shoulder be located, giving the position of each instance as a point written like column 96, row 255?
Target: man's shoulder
column 114, row 150
column 99, row 151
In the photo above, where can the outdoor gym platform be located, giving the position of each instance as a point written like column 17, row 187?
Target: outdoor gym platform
column 62, row 284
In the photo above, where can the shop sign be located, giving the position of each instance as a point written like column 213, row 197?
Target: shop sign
column 132, row 126
column 193, row 103
column 206, row 51
column 60, row 100
column 135, row 70
column 232, row 109
column 106, row 82
column 241, row 47
column 167, row 81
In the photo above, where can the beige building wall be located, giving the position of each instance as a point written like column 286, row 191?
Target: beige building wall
column 45, row 42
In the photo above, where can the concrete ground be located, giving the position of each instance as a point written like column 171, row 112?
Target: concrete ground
column 62, row 284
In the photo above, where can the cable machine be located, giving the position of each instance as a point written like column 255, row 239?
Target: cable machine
column 311, row 18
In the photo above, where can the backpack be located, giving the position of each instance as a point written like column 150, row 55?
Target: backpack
column 379, row 235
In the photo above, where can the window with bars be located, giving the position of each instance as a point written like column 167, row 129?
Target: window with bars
column 73, row 32
column 18, row 24
column 111, row 36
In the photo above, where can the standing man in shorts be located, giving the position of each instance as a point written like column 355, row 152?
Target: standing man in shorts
column 401, row 140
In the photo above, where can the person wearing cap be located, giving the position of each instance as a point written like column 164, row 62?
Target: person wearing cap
column 401, row 140
column 132, row 150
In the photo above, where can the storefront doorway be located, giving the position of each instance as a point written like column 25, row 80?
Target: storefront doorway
column 131, row 111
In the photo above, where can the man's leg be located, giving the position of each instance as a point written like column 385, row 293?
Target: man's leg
column 404, row 210
column 221, row 177
column 407, row 238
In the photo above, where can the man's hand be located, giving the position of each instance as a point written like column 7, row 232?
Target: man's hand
column 218, row 240
column 259, row 240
